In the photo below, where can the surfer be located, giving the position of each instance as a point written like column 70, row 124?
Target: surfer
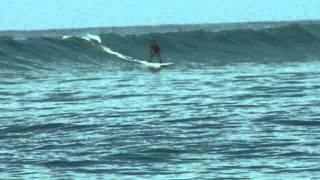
column 155, row 51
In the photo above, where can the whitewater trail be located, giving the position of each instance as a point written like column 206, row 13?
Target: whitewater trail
column 96, row 39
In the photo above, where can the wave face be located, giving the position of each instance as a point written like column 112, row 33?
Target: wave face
column 205, row 44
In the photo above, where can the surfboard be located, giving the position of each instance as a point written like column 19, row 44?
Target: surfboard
column 154, row 65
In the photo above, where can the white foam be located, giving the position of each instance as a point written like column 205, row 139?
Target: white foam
column 66, row 37
column 90, row 37
column 128, row 58
column 119, row 55
column 87, row 37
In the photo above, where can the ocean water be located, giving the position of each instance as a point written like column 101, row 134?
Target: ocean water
column 238, row 104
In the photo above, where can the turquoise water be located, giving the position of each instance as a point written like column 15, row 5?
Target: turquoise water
column 241, row 120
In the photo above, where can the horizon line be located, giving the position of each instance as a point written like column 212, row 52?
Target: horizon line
column 158, row 25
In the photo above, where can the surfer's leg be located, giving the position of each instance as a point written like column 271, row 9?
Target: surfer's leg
column 159, row 57
column 152, row 55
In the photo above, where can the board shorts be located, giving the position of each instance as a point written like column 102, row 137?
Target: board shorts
column 155, row 54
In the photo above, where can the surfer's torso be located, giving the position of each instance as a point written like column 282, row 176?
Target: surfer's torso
column 155, row 48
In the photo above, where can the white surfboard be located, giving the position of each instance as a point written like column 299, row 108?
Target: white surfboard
column 154, row 65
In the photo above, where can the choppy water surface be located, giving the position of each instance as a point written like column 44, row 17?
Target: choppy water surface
column 234, row 121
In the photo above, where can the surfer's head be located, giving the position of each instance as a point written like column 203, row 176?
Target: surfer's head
column 154, row 41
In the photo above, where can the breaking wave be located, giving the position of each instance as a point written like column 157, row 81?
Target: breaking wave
column 289, row 42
